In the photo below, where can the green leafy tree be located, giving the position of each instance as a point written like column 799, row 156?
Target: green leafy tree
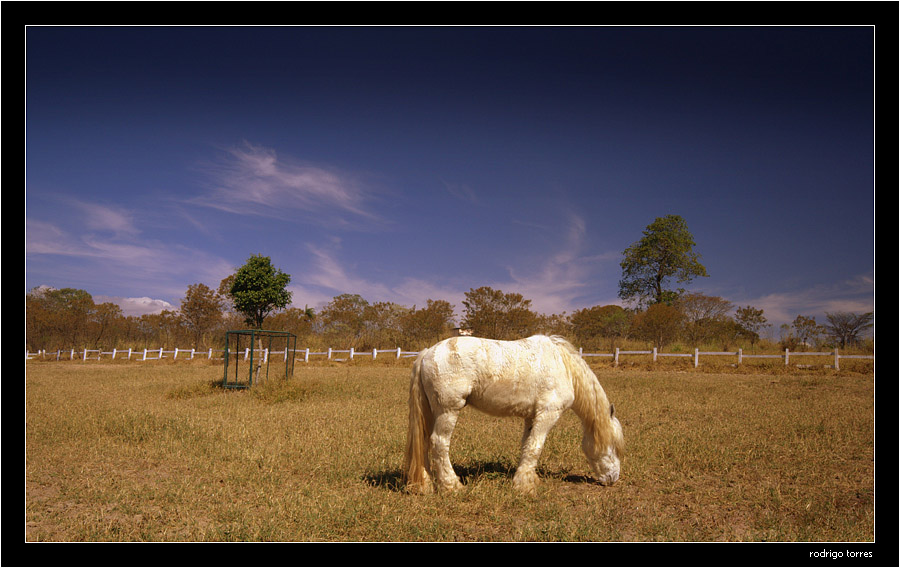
column 258, row 289
column 665, row 253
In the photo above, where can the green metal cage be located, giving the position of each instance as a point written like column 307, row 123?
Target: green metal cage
column 251, row 355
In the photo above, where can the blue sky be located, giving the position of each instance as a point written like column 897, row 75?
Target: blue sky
column 406, row 164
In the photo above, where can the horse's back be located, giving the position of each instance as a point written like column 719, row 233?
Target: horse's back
column 497, row 377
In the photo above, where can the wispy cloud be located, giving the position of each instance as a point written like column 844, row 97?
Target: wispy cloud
column 255, row 180
column 558, row 280
column 79, row 254
column 327, row 276
column 856, row 294
column 106, row 219
column 462, row 191
column 555, row 283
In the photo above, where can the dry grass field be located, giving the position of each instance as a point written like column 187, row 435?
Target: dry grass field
column 160, row 452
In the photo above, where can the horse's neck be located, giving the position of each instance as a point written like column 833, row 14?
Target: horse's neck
column 588, row 398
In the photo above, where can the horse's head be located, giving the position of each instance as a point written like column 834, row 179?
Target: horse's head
column 605, row 459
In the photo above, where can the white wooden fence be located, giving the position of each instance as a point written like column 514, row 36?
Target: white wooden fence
column 739, row 354
column 345, row 354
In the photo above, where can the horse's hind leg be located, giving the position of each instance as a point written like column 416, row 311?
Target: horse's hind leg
column 533, row 438
column 441, row 468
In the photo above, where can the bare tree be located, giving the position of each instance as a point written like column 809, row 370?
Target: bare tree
column 845, row 328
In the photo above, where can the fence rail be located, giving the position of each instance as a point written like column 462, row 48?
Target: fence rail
column 304, row 355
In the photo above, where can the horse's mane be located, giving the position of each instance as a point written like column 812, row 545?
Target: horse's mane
column 591, row 403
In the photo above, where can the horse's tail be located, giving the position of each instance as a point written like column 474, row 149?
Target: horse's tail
column 418, row 437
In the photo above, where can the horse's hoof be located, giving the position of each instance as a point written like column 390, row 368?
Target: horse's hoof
column 526, row 484
column 420, row 488
column 451, row 487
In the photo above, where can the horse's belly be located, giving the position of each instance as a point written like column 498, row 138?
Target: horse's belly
column 504, row 397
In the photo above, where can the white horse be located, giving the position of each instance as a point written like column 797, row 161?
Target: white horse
column 537, row 379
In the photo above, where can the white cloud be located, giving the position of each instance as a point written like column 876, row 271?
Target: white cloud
column 137, row 306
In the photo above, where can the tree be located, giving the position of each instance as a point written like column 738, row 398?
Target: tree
column 59, row 317
column 103, row 316
column 201, row 310
column 258, row 289
column 383, row 322
column 845, row 328
column 806, row 330
column 660, row 324
column 705, row 317
column 427, row 325
column 343, row 318
column 495, row 315
column 591, row 325
column 751, row 322
column 665, row 252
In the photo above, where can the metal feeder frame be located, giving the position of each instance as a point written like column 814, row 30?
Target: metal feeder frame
column 266, row 337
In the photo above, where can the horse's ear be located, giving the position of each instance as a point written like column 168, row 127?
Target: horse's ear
column 612, row 410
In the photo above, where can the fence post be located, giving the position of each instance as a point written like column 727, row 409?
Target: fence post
column 351, row 353
column 837, row 358
column 787, row 356
column 374, row 353
column 160, row 353
column 145, row 354
column 398, row 353
column 175, row 356
column 209, row 357
column 329, row 353
column 306, row 356
column 84, row 355
column 696, row 357
column 740, row 355
column 616, row 358
column 129, row 353
column 654, row 354
column 114, row 353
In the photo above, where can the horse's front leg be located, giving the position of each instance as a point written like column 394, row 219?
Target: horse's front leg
column 533, row 438
column 441, row 468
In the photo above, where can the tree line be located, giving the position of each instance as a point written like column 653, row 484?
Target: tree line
column 256, row 296
column 69, row 318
